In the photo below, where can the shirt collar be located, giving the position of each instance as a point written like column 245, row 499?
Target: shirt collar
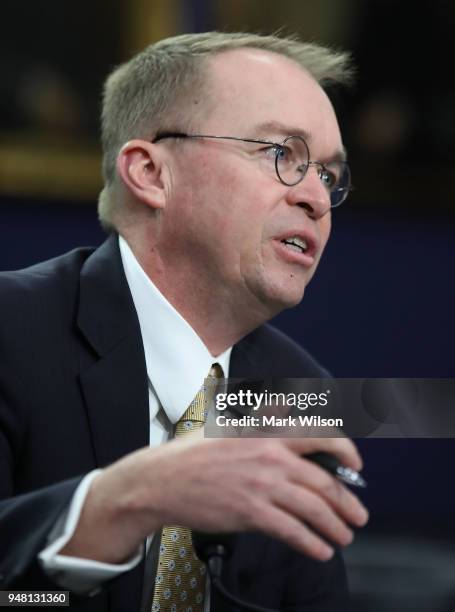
column 177, row 360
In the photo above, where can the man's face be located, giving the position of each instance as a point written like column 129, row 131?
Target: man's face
column 228, row 214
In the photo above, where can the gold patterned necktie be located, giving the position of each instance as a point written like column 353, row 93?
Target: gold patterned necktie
column 180, row 577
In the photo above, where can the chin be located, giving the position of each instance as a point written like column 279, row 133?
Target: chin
column 283, row 298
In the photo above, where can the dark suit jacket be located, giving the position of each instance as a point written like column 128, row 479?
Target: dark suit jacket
column 73, row 396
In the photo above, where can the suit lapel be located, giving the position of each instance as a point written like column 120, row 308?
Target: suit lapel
column 113, row 379
column 246, row 361
column 115, row 391
column 115, row 385
column 251, row 357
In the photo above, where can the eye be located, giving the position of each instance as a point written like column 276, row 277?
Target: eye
column 328, row 178
column 283, row 153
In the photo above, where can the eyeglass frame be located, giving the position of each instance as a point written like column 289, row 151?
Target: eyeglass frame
column 279, row 146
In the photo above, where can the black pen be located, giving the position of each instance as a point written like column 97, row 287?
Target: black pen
column 331, row 464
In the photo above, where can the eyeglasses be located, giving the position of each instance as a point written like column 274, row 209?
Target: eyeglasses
column 292, row 161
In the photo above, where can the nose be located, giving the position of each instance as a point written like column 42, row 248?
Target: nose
column 310, row 194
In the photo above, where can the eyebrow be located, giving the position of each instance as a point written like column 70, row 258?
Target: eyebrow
column 341, row 155
column 263, row 130
column 276, row 127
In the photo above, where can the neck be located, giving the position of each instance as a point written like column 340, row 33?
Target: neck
column 219, row 321
column 217, row 325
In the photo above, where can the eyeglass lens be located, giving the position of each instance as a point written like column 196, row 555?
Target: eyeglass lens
column 292, row 159
column 292, row 162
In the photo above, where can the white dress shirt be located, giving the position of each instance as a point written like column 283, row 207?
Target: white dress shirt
column 177, row 363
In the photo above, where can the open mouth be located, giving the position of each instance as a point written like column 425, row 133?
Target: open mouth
column 296, row 243
column 297, row 248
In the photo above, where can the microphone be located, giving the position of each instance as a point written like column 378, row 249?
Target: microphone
column 213, row 549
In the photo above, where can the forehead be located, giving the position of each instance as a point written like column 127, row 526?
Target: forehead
column 252, row 87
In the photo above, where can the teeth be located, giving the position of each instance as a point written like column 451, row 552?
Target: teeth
column 293, row 247
column 296, row 243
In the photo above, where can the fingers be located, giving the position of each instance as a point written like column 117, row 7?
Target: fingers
column 310, row 493
column 313, row 510
column 309, row 497
column 319, row 481
column 343, row 448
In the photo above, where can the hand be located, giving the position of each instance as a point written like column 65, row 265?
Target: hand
column 221, row 485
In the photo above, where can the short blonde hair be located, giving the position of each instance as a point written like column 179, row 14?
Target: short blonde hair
column 150, row 92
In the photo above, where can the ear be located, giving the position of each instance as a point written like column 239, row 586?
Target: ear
column 140, row 166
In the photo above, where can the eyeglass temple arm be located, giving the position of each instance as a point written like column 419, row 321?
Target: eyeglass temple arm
column 163, row 135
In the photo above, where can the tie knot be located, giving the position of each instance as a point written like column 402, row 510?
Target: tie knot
column 197, row 410
column 216, row 371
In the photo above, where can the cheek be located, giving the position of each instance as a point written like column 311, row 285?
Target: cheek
column 326, row 226
column 222, row 203
column 221, row 193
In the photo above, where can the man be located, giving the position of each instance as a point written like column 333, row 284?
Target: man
column 222, row 217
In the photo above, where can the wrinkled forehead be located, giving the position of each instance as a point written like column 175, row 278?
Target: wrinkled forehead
column 251, row 88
